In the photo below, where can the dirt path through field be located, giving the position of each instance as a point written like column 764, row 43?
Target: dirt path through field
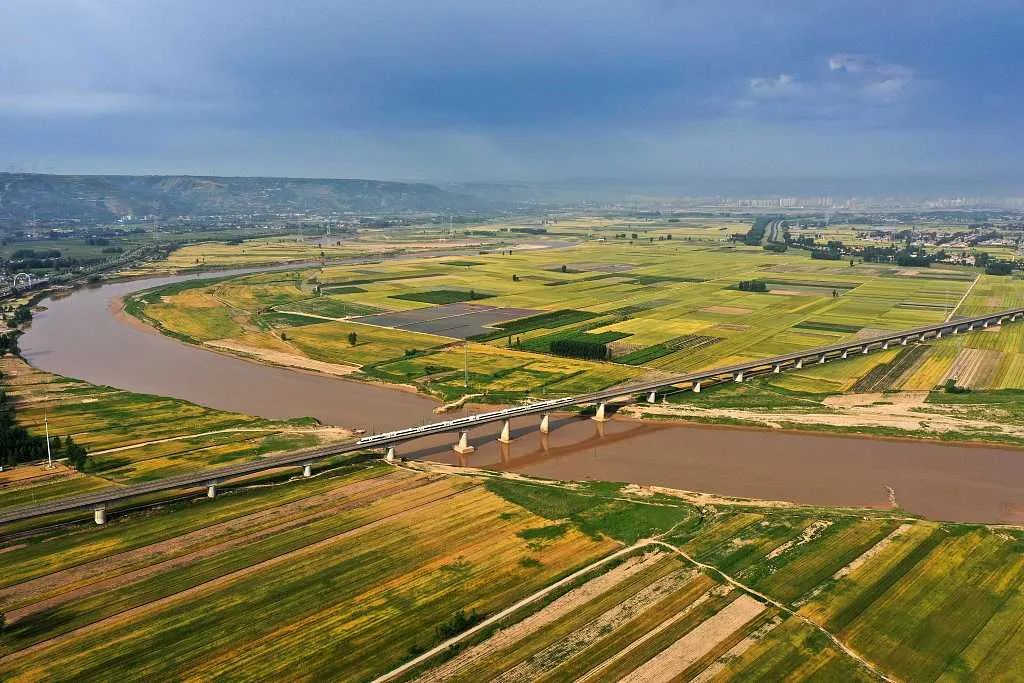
column 678, row 656
column 962, row 299
column 563, row 605
column 331, row 433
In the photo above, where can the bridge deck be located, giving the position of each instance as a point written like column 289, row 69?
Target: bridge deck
column 201, row 479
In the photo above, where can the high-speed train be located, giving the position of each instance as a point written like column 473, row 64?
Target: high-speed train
column 436, row 427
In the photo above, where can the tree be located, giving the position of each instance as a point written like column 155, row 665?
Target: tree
column 564, row 269
column 76, row 455
column 999, row 267
column 753, row 286
column 352, row 338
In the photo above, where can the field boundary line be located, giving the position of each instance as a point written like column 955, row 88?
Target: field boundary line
column 137, row 573
column 213, row 584
column 152, row 442
column 962, row 299
column 508, row 610
column 742, row 586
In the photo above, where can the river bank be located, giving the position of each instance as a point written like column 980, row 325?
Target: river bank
column 78, row 336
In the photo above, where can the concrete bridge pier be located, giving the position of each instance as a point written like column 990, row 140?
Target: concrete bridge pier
column 506, row 433
column 905, row 340
column 846, row 353
column 652, row 397
column 463, row 447
column 739, row 376
column 956, row 329
column 984, row 324
column 307, row 469
column 799, row 364
column 599, row 414
column 938, row 334
column 99, row 514
column 389, row 456
column 696, row 387
column 777, row 369
column 885, row 346
column 545, row 424
column 822, row 359
column 211, row 490
column 866, row 348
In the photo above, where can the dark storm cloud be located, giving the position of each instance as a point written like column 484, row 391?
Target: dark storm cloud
column 470, row 90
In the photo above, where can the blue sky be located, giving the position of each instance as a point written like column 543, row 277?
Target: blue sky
column 656, row 90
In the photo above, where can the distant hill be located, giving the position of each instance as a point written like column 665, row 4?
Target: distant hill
column 92, row 198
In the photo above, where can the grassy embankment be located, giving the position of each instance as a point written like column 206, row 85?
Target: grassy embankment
column 130, row 437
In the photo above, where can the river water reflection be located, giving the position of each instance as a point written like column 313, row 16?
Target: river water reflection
column 83, row 336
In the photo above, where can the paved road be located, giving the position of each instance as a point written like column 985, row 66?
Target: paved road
column 784, row 361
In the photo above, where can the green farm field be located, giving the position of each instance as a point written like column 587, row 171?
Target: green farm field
column 660, row 306
column 422, row 573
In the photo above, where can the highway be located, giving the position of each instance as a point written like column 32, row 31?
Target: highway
column 735, row 372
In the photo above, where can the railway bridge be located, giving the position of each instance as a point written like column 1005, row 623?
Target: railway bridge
column 98, row 501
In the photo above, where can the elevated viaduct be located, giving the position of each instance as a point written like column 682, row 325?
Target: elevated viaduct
column 98, row 501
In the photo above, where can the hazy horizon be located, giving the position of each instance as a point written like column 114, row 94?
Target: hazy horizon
column 915, row 98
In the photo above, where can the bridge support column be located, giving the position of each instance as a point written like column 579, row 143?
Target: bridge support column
column 1013, row 318
column 956, row 329
column 846, row 353
column 777, row 369
column 652, row 397
column 984, row 324
column 696, row 387
column 463, row 447
column 545, row 424
column 822, row 359
column 506, row 433
column 799, row 363
column 970, row 328
column 905, row 340
column 307, row 469
column 866, row 348
column 211, row 490
column 938, row 334
column 885, row 346
column 389, row 455
column 99, row 514
column 599, row 414
column 738, row 377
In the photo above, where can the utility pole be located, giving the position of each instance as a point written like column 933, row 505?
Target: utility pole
column 46, row 424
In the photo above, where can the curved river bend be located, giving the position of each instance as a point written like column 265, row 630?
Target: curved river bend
column 83, row 335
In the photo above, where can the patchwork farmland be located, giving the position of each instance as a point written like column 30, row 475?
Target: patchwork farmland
column 473, row 577
column 650, row 307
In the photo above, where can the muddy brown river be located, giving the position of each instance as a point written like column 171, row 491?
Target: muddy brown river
column 82, row 336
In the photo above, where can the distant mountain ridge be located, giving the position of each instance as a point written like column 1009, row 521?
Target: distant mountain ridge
column 94, row 198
